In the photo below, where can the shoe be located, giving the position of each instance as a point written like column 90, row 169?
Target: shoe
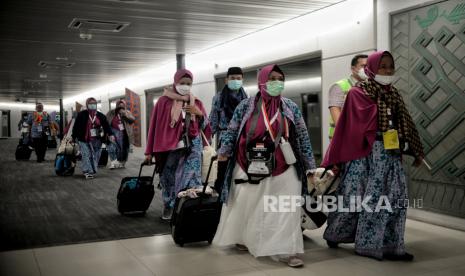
column 404, row 257
column 292, row 261
column 112, row 165
column 332, row 244
column 167, row 213
column 89, row 176
column 241, row 247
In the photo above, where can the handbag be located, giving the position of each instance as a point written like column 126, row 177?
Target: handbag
column 67, row 146
column 208, row 153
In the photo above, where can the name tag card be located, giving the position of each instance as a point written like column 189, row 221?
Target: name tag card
column 391, row 139
column 93, row 132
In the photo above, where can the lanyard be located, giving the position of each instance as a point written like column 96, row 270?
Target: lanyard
column 92, row 120
column 268, row 123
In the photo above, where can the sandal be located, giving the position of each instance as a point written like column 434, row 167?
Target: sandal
column 293, row 261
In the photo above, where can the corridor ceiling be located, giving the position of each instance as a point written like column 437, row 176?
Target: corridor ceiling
column 46, row 54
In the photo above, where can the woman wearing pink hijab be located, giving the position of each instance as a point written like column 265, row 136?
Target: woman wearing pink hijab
column 269, row 153
column 178, row 161
column 373, row 132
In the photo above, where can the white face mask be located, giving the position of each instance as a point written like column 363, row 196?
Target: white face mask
column 384, row 80
column 183, row 89
column 361, row 74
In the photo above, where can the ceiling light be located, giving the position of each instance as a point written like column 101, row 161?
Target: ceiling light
column 85, row 35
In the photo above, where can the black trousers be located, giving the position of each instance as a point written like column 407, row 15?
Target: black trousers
column 40, row 146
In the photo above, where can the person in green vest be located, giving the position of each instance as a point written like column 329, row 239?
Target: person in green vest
column 339, row 90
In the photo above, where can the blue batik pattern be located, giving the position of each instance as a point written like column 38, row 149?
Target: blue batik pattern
column 118, row 150
column 90, row 155
column 302, row 147
column 374, row 233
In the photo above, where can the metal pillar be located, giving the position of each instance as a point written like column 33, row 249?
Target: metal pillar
column 180, row 61
column 62, row 119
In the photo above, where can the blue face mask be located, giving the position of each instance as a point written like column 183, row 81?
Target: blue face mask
column 234, row 84
column 274, row 88
column 92, row 106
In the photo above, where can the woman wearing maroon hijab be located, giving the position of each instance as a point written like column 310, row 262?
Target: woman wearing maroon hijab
column 268, row 123
column 179, row 167
column 89, row 129
column 373, row 132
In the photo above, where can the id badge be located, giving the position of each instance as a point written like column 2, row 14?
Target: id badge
column 39, row 128
column 391, row 139
column 121, row 126
column 93, row 132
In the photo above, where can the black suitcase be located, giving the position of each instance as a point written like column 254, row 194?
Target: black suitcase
column 196, row 219
column 102, row 162
column 135, row 193
column 23, row 152
column 51, row 142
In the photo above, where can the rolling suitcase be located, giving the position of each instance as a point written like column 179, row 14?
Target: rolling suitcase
column 135, row 193
column 102, row 162
column 51, row 142
column 23, row 152
column 196, row 219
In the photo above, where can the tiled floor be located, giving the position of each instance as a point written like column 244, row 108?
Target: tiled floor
column 438, row 251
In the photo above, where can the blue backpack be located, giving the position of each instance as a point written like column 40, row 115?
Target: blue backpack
column 64, row 165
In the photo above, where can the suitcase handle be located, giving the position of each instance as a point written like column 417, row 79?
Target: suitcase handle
column 208, row 173
column 140, row 171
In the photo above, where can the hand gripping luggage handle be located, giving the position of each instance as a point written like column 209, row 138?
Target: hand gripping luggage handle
column 140, row 172
column 208, row 173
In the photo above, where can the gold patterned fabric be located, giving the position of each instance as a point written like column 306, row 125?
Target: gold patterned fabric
column 390, row 98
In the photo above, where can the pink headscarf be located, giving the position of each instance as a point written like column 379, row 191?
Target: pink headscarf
column 177, row 98
column 165, row 129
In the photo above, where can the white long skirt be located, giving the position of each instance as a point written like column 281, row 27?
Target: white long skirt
column 244, row 220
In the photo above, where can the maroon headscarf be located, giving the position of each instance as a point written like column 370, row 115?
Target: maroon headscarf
column 356, row 128
column 181, row 73
column 91, row 112
column 121, row 101
column 373, row 62
column 272, row 105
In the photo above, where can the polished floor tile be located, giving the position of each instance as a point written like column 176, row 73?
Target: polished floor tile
column 18, row 263
column 438, row 251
